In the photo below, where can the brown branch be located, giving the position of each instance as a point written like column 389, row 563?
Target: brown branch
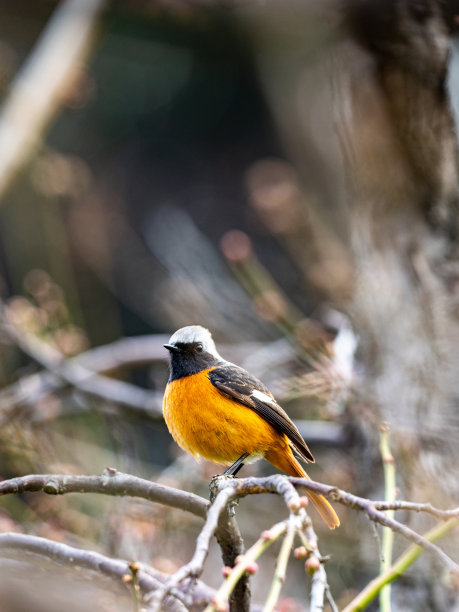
column 111, row 483
column 83, row 372
column 369, row 507
column 231, row 544
column 143, row 350
column 225, row 490
column 302, row 524
column 125, row 353
column 417, row 507
column 64, row 372
column 353, row 501
column 149, row 579
column 270, row 484
column 194, row 568
column 119, row 484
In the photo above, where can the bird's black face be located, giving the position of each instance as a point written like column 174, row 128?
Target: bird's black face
column 189, row 358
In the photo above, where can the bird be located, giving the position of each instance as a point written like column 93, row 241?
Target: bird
column 218, row 411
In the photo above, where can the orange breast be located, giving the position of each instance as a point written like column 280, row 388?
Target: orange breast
column 205, row 422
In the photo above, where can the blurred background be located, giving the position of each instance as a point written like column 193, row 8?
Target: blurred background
column 281, row 173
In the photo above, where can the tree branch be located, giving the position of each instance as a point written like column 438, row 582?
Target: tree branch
column 224, row 490
column 228, row 490
column 399, row 566
column 111, row 483
column 230, row 540
column 369, row 507
column 64, row 372
column 148, row 579
column 194, row 567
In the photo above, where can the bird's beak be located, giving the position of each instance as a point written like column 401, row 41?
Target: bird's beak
column 172, row 348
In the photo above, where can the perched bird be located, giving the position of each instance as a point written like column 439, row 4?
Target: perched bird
column 218, row 411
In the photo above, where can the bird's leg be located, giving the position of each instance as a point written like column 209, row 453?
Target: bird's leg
column 234, row 469
column 230, row 473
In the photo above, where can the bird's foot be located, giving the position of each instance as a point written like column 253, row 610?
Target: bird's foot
column 217, row 483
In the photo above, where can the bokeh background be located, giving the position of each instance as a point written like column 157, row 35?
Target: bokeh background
column 258, row 169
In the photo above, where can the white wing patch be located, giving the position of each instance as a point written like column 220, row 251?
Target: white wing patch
column 263, row 397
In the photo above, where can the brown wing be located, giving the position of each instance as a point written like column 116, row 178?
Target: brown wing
column 239, row 385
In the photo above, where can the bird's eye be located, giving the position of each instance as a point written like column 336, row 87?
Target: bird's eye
column 199, row 348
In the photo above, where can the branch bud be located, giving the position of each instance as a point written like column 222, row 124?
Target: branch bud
column 312, row 564
column 220, row 606
column 134, row 566
column 294, row 505
column 252, row 567
column 304, row 501
column 300, row 552
column 226, row 570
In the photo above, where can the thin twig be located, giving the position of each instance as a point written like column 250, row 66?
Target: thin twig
column 417, row 507
column 331, row 601
column 281, row 566
column 84, row 372
column 219, row 601
column 369, row 507
column 388, row 534
column 319, row 583
column 371, row 591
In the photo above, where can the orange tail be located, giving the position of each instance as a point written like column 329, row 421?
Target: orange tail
column 283, row 459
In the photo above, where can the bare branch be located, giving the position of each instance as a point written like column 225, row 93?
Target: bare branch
column 368, row 594
column 70, row 372
column 194, row 567
column 369, row 507
column 111, row 483
column 235, row 574
column 125, row 353
column 281, row 565
column 280, row 484
column 149, row 579
column 83, row 372
column 143, row 350
column 231, row 544
column 417, row 507
column 226, row 490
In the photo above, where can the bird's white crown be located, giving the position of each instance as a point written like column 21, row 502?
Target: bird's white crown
column 195, row 333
